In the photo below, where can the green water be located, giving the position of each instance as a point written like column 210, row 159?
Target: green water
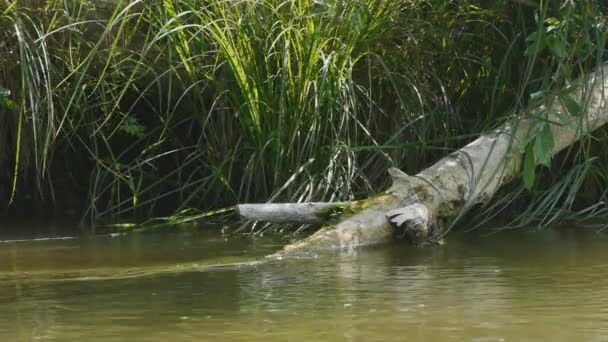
column 550, row 286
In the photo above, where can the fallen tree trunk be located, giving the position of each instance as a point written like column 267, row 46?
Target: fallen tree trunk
column 423, row 206
column 299, row 213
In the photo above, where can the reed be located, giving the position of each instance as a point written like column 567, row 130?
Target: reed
column 133, row 109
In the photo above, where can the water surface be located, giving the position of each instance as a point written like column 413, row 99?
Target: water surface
column 192, row 287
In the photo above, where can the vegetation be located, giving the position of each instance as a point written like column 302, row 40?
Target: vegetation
column 136, row 109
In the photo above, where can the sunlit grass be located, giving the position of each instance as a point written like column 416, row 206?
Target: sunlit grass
column 149, row 109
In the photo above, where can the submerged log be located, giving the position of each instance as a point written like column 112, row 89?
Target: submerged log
column 423, row 206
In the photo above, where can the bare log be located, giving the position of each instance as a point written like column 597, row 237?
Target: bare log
column 298, row 213
column 421, row 207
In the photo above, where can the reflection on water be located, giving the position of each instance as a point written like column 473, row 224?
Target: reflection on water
column 505, row 287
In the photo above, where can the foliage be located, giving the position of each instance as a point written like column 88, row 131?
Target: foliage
column 148, row 108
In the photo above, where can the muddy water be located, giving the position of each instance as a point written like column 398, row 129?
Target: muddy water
column 550, row 286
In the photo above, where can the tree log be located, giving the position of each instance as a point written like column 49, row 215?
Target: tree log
column 423, row 206
column 298, row 213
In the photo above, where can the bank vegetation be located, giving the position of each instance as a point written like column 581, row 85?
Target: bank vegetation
column 122, row 111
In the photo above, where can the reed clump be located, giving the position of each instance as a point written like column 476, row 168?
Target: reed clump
column 126, row 109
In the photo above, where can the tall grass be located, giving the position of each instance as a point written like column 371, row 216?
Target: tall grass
column 148, row 108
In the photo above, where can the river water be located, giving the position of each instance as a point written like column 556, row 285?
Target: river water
column 509, row 286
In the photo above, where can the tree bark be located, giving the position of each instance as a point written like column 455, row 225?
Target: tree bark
column 423, row 206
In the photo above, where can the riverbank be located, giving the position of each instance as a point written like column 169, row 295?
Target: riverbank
column 155, row 109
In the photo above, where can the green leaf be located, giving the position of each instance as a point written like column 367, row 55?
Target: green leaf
column 133, row 128
column 529, row 163
column 571, row 105
column 543, row 145
column 547, row 138
column 534, row 48
column 8, row 103
column 557, row 47
column 553, row 24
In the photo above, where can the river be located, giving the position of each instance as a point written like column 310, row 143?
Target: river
column 201, row 286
